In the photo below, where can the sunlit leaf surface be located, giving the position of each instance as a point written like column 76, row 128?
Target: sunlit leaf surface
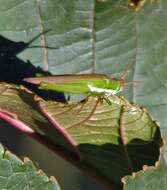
column 113, row 139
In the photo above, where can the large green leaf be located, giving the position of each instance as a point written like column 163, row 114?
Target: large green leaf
column 92, row 36
column 114, row 140
column 18, row 175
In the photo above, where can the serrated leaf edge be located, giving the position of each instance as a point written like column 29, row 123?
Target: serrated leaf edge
column 146, row 167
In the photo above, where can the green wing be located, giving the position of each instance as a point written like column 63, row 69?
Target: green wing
column 72, row 88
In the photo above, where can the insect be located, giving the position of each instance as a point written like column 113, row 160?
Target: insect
column 136, row 5
column 90, row 84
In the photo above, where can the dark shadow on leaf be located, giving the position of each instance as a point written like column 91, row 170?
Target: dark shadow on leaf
column 13, row 69
column 8, row 136
column 112, row 161
column 51, row 133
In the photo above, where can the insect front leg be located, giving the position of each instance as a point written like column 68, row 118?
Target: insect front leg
column 111, row 98
column 107, row 100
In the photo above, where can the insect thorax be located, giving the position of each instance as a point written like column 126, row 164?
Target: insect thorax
column 106, row 87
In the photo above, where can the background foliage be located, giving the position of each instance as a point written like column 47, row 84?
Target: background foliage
column 89, row 36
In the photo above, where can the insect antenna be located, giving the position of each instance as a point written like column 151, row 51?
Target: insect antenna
column 124, row 74
column 132, row 82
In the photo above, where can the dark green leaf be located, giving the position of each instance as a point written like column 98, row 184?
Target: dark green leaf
column 18, row 175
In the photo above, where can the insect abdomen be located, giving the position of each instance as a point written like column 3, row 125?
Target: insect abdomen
column 73, row 88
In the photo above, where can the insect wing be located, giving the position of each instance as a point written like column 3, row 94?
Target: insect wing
column 59, row 79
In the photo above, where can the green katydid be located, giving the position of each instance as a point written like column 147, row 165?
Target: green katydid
column 91, row 84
